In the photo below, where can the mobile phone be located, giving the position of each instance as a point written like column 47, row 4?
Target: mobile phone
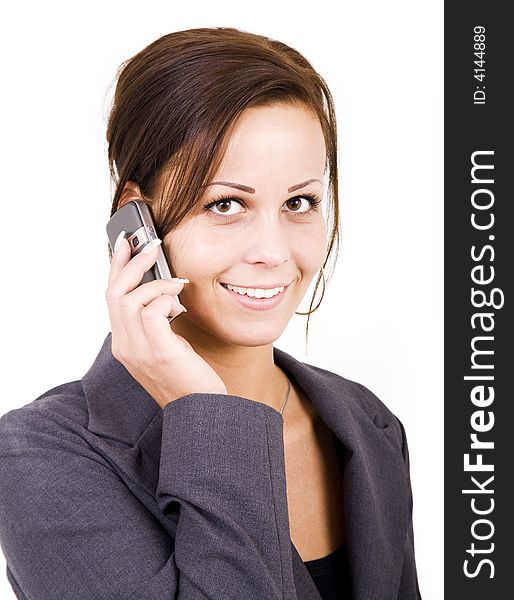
column 136, row 220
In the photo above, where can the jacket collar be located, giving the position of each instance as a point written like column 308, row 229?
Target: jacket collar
column 118, row 406
column 375, row 484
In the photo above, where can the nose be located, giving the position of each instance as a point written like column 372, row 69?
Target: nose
column 267, row 242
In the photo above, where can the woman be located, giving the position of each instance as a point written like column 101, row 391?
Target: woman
column 194, row 459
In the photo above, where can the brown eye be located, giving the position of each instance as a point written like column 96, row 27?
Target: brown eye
column 295, row 204
column 223, row 206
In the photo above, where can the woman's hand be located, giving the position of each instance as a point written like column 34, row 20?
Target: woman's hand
column 163, row 362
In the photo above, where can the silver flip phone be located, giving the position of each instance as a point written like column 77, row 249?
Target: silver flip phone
column 135, row 219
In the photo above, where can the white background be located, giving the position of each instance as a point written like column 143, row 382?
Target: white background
column 381, row 321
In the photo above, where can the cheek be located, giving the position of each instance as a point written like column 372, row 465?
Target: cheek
column 310, row 248
column 197, row 254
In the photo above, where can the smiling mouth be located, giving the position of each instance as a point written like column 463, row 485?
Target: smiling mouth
column 255, row 293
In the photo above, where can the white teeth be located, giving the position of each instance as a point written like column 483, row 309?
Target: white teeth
column 255, row 292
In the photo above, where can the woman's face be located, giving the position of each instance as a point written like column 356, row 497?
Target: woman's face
column 264, row 234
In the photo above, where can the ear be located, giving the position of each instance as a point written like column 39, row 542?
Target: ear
column 130, row 191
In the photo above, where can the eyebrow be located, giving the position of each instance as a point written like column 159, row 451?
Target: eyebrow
column 250, row 190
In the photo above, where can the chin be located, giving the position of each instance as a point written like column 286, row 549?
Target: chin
column 251, row 335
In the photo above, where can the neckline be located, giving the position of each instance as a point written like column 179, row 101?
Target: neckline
column 325, row 559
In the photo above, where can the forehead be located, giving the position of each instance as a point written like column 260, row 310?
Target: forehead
column 269, row 141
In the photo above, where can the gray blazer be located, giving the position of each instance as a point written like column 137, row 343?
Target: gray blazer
column 104, row 495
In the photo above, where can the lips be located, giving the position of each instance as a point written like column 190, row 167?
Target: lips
column 260, row 304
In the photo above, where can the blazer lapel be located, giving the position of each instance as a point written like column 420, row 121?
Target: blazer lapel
column 375, row 486
column 119, row 407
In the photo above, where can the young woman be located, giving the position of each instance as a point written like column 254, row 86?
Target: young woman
column 194, row 459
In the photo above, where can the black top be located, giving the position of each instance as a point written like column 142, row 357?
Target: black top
column 331, row 575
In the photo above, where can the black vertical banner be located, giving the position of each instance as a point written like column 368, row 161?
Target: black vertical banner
column 479, row 330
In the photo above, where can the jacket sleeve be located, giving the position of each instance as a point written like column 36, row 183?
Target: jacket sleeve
column 409, row 586
column 71, row 528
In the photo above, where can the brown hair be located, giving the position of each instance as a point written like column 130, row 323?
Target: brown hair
column 176, row 101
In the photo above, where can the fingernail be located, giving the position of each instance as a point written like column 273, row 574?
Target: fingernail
column 149, row 247
column 117, row 243
column 184, row 279
column 184, row 309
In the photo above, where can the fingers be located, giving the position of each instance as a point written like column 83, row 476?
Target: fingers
column 120, row 256
column 140, row 314
column 126, row 272
column 144, row 294
column 154, row 317
column 142, row 301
